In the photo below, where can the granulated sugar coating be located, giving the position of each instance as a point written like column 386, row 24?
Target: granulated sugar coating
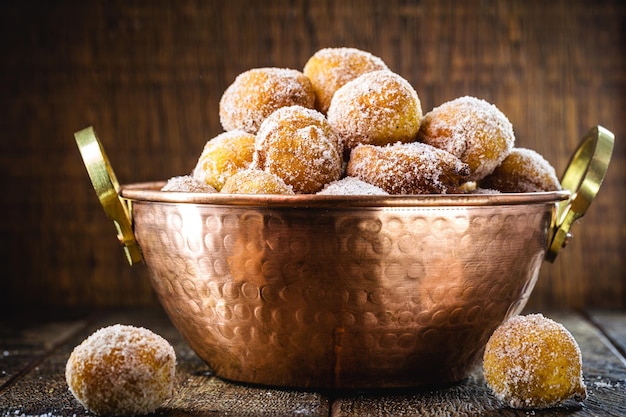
column 330, row 68
column 376, row 108
column 523, row 171
column 122, row 370
column 473, row 130
column 187, row 184
column 224, row 155
column 533, row 362
column 351, row 186
column 299, row 145
column 255, row 181
column 307, row 126
column 408, row 168
column 258, row 92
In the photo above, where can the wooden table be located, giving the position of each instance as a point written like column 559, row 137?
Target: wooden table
column 34, row 350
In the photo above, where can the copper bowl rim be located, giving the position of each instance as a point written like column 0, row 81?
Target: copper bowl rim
column 150, row 192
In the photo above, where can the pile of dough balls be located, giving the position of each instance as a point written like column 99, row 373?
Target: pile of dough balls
column 122, row 370
column 346, row 115
column 533, row 362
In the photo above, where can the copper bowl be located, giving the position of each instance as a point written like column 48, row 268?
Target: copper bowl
column 343, row 292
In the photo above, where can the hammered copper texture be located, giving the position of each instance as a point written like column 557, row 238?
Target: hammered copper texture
column 341, row 298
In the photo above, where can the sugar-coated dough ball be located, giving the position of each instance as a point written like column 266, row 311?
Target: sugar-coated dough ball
column 408, row 168
column 299, row 145
column 187, row 184
column 223, row 156
column 330, row 68
column 533, row 362
column 258, row 92
column 255, row 181
column 473, row 130
column 523, row 171
column 122, row 370
column 351, row 186
column 376, row 108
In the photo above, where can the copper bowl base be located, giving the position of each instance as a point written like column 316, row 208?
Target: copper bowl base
column 352, row 293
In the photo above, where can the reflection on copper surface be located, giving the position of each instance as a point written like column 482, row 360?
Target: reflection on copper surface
column 340, row 297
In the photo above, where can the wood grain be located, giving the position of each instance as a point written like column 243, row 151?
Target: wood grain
column 41, row 389
column 149, row 74
column 605, row 392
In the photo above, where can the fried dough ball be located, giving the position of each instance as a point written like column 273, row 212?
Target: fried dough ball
column 258, row 92
column 300, row 146
column 523, row 171
column 473, row 130
column 351, row 186
column 376, row 108
column 122, row 370
column 408, row 168
column 187, row 184
column 330, row 68
column 533, row 362
column 255, row 181
column 224, row 155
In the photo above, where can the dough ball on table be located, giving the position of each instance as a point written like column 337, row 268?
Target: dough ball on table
column 473, row 130
column 258, row 92
column 223, row 156
column 300, row 146
column 330, row 68
column 523, row 171
column 533, row 362
column 408, row 168
column 376, row 108
column 255, row 181
column 122, row 370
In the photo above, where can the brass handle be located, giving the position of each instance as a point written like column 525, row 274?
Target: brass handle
column 107, row 188
column 583, row 177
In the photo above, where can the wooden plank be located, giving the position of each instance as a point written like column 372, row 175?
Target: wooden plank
column 42, row 390
column 215, row 397
column 471, row 397
column 613, row 324
column 604, row 372
column 23, row 345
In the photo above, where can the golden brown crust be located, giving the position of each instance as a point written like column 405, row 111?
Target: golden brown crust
column 330, row 68
column 473, row 130
column 408, row 168
column 258, row 92
column 533, row 362
column 376, row 108
column 523, row 171
column 255, row 181
column 300, row 146
column 122, row 370
column 223, row 156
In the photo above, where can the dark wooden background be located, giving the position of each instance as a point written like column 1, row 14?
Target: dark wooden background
column 149, row 75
